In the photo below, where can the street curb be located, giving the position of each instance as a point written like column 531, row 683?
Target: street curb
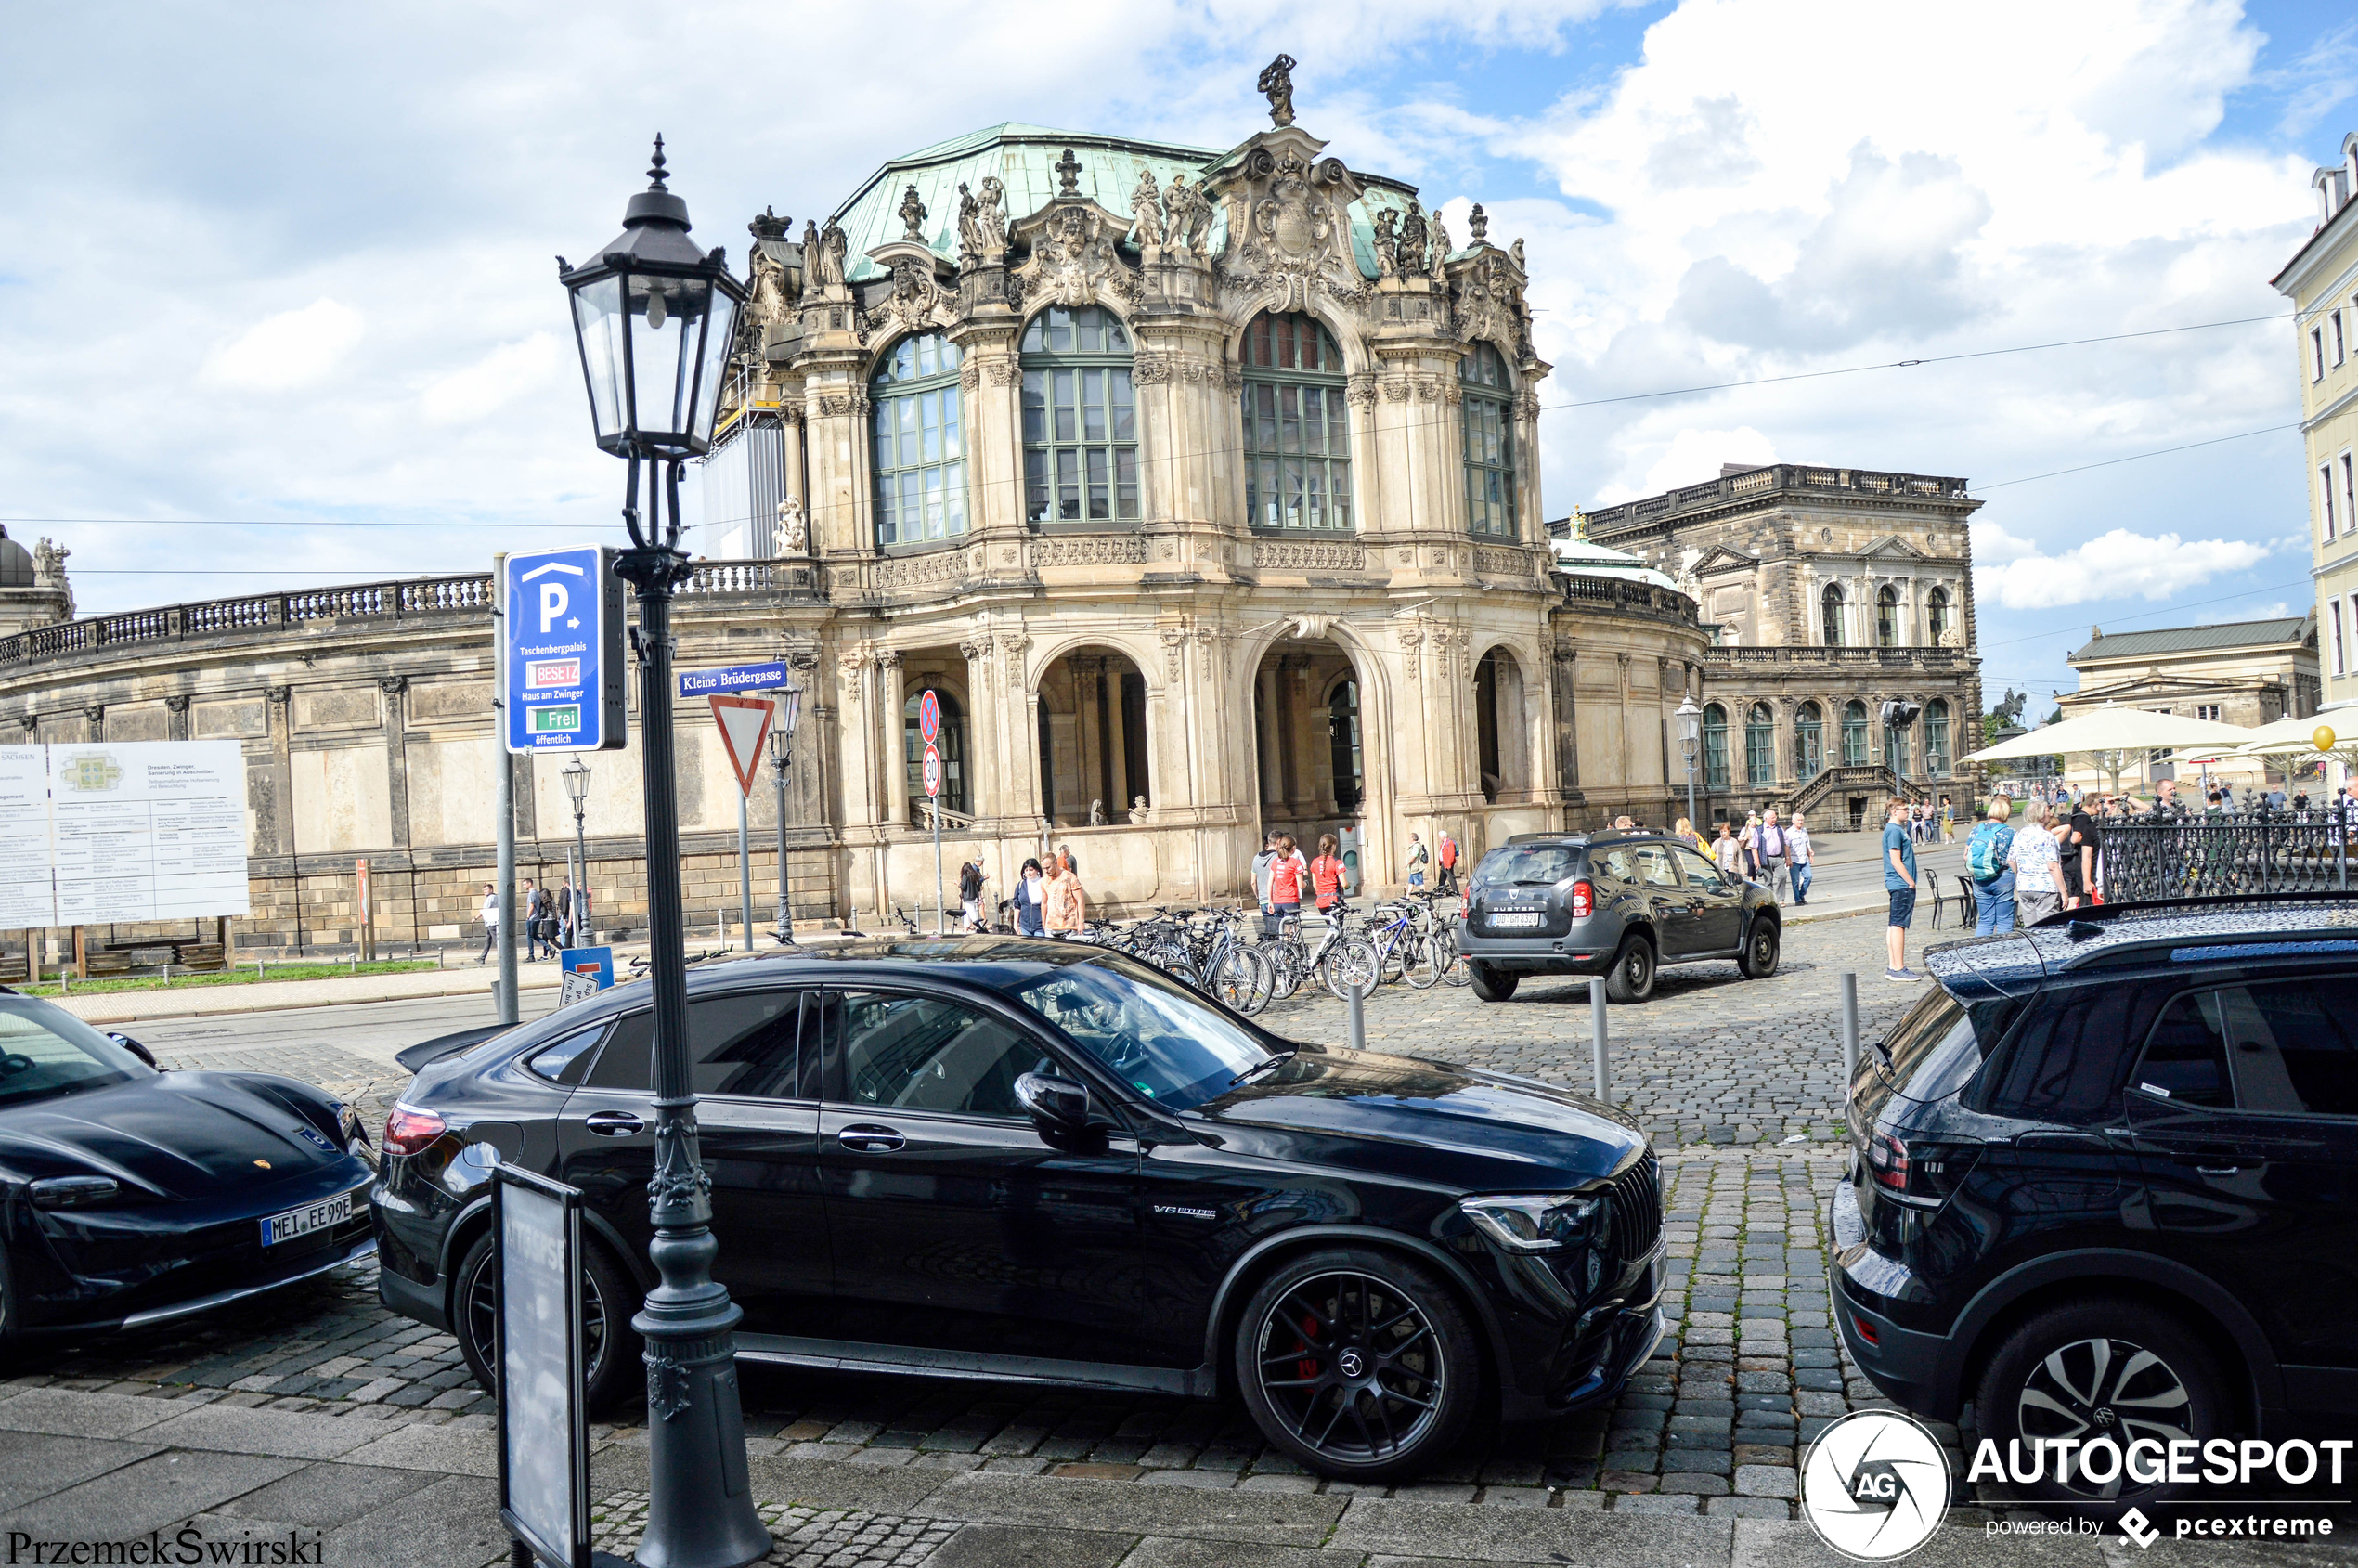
column 482, row 988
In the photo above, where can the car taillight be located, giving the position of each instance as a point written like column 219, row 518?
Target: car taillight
column 1584, row 899
column 1925, row 1174
column 408, row 1131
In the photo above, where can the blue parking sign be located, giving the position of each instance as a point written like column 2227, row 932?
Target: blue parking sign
column 561, row 651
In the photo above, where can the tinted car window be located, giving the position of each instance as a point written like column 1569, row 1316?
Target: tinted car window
column 564, row 1060
column 741, row 1043
column 2067, row 1059
column 45, row 1050
column 1699, row 873
column 1653, row 866
column 1154, row 1033
column 2186, row 1058
column 2289, row 1044
column 923, row 1054
column 1617, row 863
column 1527, row 865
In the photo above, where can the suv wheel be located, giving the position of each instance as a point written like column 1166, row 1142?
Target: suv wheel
column 2100, row 1369
column 1358, row 1364
column 610, row 1347
column 1491, row 985
column 1758, row 960
column 1631, row 978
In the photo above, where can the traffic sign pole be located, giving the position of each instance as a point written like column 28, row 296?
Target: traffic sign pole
column 929, row 722
column 504, row 829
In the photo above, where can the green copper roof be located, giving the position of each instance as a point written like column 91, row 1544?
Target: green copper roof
column 1023, row 158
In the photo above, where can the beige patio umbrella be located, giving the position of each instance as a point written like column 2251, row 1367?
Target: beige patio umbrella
column 2298, row 736
column 2114, row 728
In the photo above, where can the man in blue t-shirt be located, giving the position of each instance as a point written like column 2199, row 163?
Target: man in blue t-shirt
column 1899, row 881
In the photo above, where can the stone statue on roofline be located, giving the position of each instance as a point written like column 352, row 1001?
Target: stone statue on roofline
column 1146, row 203
column 1277, row 81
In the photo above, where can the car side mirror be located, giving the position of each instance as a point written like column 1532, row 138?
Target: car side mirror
column 1056, row 1103
column 136, row 1049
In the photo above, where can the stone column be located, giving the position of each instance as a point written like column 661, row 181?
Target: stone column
column 1566, row 713
column 396, row 756
column 889, row 740
column 987, row 783
column 1117, row 742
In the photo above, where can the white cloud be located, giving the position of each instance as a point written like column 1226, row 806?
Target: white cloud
column 1694, row 456
column 537, row 364
column 291, row 349
column 2114, row 565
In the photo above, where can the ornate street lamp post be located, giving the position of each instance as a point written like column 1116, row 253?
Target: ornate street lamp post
column 1690, row 718
column 781, row 758
column 656, row 319
column 576, row 778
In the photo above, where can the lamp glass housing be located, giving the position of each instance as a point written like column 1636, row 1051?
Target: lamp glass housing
column 576, row 778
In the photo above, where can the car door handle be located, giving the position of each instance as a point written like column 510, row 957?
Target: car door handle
column 613, row 1123
column 868, row 1138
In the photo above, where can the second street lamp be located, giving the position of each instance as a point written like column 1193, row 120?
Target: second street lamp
column 1690, row 718
column 656, row 319
column 781, row 758
column 576, row 778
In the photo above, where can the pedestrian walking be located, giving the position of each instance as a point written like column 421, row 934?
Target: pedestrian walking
column 1900, row 886
column 490, row 920
column 1260, row 865
column 2078, row 846
column 1727, row 853
column 970, row 894
column 1289, row 874
column 1326, row 875
column 1064, row 907
column 1797, row 854
column 1768, row 850
column 1685, row 829
column 1948, row 820
column 534, row 907
column 563, row 901
column 1032, row 887
column 2036, row 860
column 1989, row 867
column 1448, row 865
column 1418, row 858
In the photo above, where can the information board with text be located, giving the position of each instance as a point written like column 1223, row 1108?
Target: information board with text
column 97, row 833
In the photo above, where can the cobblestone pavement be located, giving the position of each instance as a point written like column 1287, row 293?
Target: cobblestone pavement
column 1750, row 1369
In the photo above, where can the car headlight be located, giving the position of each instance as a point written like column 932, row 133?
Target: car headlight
column 72, row 1192
column 1541, row 1224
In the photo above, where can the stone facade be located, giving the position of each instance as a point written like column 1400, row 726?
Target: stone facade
column 2322, row 282
column 1832, row 591
column 1153, row 634
column 33, row 590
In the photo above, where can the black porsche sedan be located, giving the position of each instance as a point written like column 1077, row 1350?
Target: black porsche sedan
column 130, row 1197
column 1046, row 1163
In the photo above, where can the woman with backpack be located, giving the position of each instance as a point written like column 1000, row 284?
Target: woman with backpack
column 1989, row 856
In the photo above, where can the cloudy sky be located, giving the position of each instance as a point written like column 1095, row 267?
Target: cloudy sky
column 277, row 306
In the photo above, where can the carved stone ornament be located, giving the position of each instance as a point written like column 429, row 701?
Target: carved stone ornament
column 913, row 215
column 918, row 302
column 824, row 254
column 1478, row 225
column 178, row 701
column 794, row 532
column 990, row 214
column 1295, row 237
column 1175, row 653
column 1414, row 236
column 1011, row 647
column 1187, row 216
column 1146, row 207
column 1073, row 259
column 1387, row 227
column 1277, row 81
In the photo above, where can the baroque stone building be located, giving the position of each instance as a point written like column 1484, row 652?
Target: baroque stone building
column 1831, row 590
column 1200, row 487
column 2247, row 673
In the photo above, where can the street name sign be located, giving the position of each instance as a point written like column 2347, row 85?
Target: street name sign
column 561, row 651
column 737, row 678
column 745, row 728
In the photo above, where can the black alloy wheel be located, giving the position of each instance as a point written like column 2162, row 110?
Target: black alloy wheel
column 610, row 1349
column 1758, row 960
column 1358, row 1364
column 1490, row 983
column 1631, row 978
column 2100, row 1369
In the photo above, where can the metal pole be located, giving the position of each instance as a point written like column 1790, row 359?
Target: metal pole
column 700, row 1511
column 580, row 885
column 1849, row 1030
column 744, row 870
column 1598, row 1065
column 1690, row 789
column 1354, row 1012
column 940, row 908
column 786, row 912
column 505, row 831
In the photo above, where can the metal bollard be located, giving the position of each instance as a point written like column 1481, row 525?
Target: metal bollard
column 1354, row 1010
column 1850, row 1032
column 1596, row 1040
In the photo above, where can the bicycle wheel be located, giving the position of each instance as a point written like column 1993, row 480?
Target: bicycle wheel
column 1237, row 979
column 1454, row 969
column 1286, row 962
column 1391, row 955
column 1351, row 963
column 1421, row 960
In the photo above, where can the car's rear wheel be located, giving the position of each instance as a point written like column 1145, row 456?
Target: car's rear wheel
column 1357, row 1364
column 1631, row 978
column 1758, row 960
column 610, row 1348
column 2093, row 1368
column 1489, row 983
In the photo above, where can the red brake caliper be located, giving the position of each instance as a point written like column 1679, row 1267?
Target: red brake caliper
column 1308, row 1366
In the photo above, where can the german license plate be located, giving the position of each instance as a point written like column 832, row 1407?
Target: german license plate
column 327, row 1211
column 1527, row 917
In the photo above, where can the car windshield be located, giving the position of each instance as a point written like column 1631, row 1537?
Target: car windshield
column 1526, row 865
column 1147, row 1028
column 45, row 1050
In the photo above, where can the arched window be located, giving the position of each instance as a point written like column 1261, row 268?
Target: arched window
column 1937, row 615
column 1760, row 744
column 1490, row 442
column 1937, row 737
column 1079, row 424
column 1714, row 747
column 1853, row 734
column 1887, row 616
column 917, row 446
column 1297, row 426
column 1342, row 733
column 1830, row 610
column 1808, row 742
column 952, row 743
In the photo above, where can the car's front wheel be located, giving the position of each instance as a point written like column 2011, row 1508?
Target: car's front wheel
column 1758, row 960
column 1357, row 1364
column 2095, row 1369
column 1490, row 983
column 610, row 1348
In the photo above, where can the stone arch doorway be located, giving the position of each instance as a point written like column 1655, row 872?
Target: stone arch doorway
column 1095, row 760
column 1502, row 728
column 1312, row 746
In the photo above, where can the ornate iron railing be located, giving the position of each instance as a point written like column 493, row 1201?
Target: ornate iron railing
column 2219, row 855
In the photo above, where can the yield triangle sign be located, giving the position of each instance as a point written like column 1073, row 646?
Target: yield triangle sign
column 745, row 728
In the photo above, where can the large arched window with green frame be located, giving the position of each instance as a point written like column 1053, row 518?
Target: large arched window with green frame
column 1079, row 420
column 1297, row 426
column 917, row 442
column 1488, row 411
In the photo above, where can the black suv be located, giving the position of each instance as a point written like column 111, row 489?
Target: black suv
column 2106, row 1182
column 1616, row 904
column 1045, row 1162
